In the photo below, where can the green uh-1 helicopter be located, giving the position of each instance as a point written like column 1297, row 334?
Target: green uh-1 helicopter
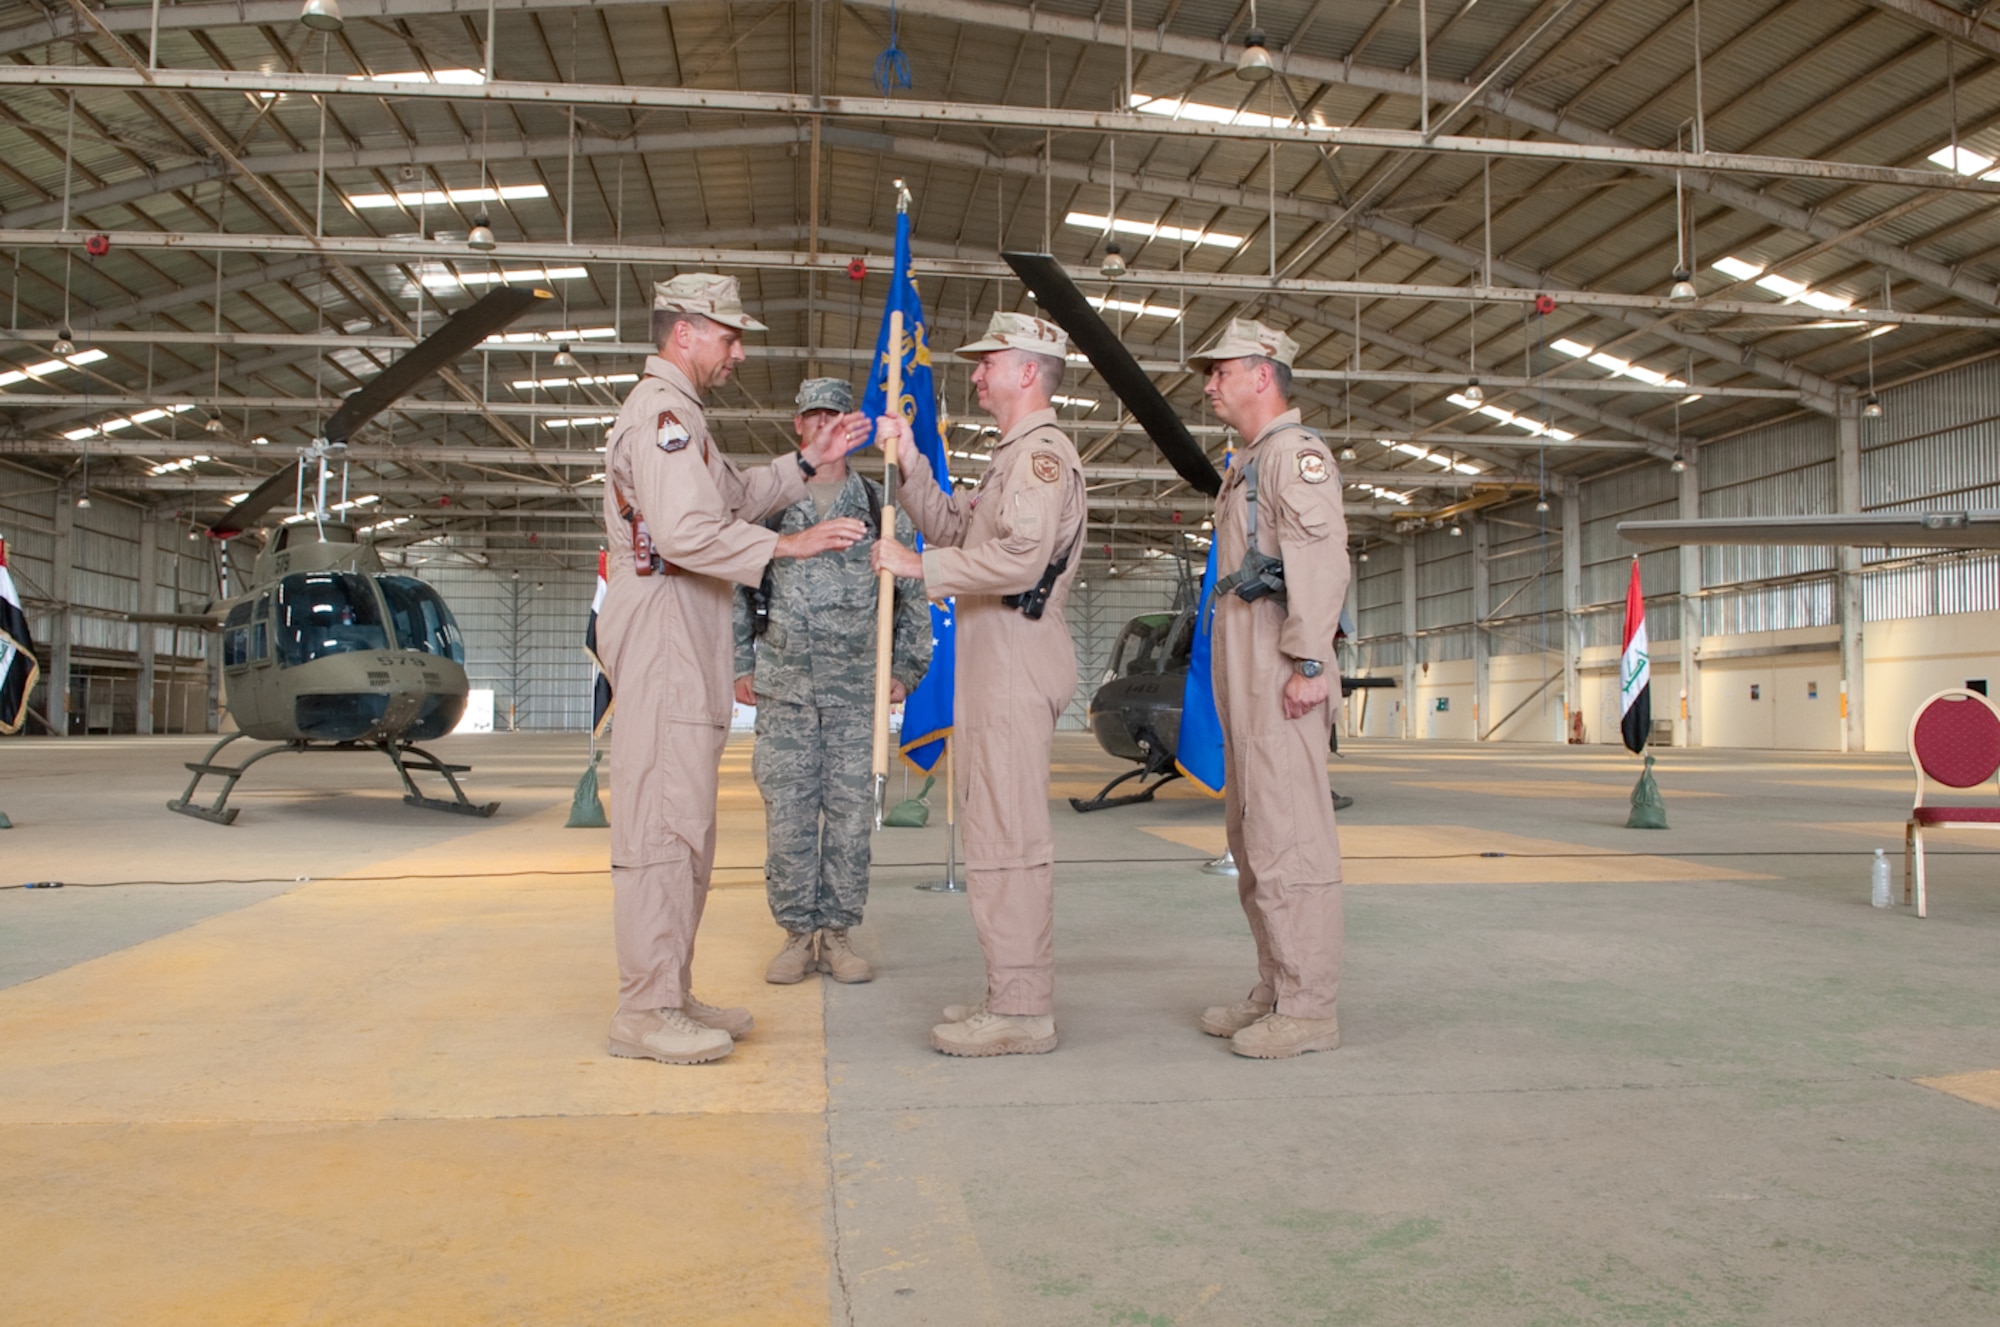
column 324, row 651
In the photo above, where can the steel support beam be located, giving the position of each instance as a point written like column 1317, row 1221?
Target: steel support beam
column 1847, row 466
column 149, row 597
column 1572, row 647
column 62, row 579
column 1412, row 642
column 1482, row 646
column 1691, row 606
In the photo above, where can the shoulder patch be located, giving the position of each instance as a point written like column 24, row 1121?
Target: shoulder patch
column 673, row 434
column 1314, row 468
column 1047, row 468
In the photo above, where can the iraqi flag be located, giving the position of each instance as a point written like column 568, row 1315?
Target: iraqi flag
column 600, row 696
column 18, row 666
column 1635, row 671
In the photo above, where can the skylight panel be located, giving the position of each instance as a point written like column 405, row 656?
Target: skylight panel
column 1510, row 419
column 1793, row 292
column 1166, row 311
column 438, row 197
column 583, row 380
column 1963, row 160
column 446, row 280
column 1175, row 108
column 466, row 76
column 51, row 366
column 1613, row 364
column 1153, row 230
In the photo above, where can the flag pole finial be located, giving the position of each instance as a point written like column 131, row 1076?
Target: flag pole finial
column 902, row 197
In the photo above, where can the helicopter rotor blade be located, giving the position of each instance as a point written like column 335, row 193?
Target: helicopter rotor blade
column 461, row 332
column 464, row 330
column 256, row 502
column 1059, row 298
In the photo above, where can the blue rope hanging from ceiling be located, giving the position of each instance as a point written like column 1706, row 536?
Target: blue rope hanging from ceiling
column 892, row 67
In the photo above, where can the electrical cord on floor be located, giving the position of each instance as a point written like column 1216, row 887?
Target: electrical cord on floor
column 599, row 872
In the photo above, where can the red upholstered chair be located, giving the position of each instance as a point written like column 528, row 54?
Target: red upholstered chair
column 1955, row 741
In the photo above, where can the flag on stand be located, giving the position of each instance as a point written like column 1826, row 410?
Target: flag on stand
column 927, row 714
column 18, row 666
column 1635, row 672
column 1198, row 750
column 600, row 699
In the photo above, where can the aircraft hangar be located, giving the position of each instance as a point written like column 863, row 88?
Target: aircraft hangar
column 1676, row 312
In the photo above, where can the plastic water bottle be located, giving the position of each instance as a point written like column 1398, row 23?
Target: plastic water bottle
column 1878, row 893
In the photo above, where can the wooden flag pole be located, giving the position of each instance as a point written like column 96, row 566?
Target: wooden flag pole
column 885, row 584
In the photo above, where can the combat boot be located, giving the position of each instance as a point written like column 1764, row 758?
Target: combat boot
column 794, row 961
column 1280, row 1036
column 958, row 1013
column 667, row 1035
column 838, row 960
column 988, row 1033
column 1226, row 1020
column 736, row 1022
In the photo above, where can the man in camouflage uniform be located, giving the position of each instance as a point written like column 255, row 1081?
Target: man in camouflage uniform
column 811, row 675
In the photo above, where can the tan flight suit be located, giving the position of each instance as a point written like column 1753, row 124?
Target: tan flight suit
column 667, row 645
column 1277, row 805
column 1015, row 676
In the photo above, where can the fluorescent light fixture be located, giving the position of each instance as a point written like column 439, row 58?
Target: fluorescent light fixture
column 1174, row 108
column 446, row 280
column 1080, row 402
column 579, row 422
column 389, row 524
column 604, row 380
column 49, row 366
column 1794, row 292
column 185, row 463
column 1166, row 311
column 1153, row 230
column 1510, row 419
column 422, row 76
column 438, row 197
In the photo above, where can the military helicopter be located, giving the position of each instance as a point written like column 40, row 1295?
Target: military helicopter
column 324, row 651
column 1136, row 712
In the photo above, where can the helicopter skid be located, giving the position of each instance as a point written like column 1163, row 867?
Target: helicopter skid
column 1103, row 801
column 404, row 756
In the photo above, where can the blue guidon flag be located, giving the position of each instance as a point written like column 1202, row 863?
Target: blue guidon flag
column 18, row 666
column 1198, row 749
column 600, row 697
column 928, row 713
column 1635, row 671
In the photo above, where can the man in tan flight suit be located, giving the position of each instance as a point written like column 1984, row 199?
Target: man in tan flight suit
column 1016, row 536
column 1274, row 672
column 681, row 519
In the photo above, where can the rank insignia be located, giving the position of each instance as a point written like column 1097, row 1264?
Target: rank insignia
column 1047, row 468
column 1313, row 467
column 673, row 434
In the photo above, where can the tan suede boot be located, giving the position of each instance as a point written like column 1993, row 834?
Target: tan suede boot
column 1226, row 1020
column 736, row 1022
column 667, row 1035
column 1280, row 1036
column 794, row 961
column 958, row 1013
column 838, row 960
column 988, row 1033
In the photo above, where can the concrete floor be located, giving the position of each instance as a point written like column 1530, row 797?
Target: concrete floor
column 1706, row 1083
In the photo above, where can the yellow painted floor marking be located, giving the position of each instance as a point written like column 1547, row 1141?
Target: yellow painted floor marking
column 1561, row 790
column 1398, row 848
column 1982, row 1089
column 390, row 1103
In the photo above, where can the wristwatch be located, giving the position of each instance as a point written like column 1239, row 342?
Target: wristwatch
column 1308, row 667
column 806, row 468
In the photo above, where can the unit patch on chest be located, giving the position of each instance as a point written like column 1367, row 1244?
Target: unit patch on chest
column 673, row 434
column 1313, row 467
column 1046, row 467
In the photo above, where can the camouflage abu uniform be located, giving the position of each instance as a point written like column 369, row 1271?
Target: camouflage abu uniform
column 813, row 672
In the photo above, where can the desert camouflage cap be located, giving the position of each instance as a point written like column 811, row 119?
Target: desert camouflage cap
column 834, row 394
column 1245, row 336
column 1018, row 331
column 709, row 295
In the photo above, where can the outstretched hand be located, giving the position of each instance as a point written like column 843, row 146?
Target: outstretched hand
column 830, row 535
column 848, row 432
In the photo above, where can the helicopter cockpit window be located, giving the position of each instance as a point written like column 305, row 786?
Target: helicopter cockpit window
column 421, row 620
column 326, row 612
column 260, row 630
column 1139, row 648
column 236, row 637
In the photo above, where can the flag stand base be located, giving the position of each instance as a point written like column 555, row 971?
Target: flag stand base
column 951, row 884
